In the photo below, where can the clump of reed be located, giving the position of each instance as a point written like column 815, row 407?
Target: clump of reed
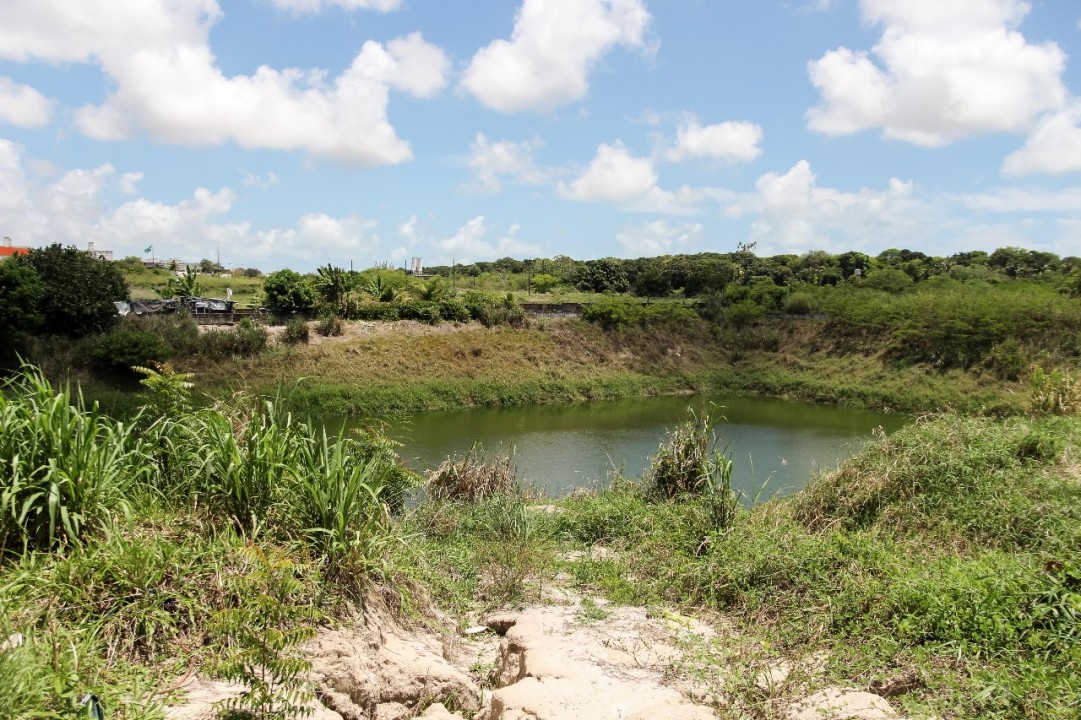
column 689, row 463
column 472, row 478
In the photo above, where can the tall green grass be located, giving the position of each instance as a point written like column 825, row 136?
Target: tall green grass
column 66, row 467
column 128, row 547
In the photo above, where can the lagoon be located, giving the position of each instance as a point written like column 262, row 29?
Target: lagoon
column 776, row 446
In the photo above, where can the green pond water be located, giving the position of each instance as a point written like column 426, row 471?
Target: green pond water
column 776, row 446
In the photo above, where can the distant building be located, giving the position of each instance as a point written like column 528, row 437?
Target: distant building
column 99, row 254
column 7, row 249
column 173, row 264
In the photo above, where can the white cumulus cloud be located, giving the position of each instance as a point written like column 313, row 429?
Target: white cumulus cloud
column 940, row 71
column 552, row 51
column 796, row 215
column 659, row 237
column 471, row 242
column 491, row 162
column 617, row 177
column 168, row 85
column 1020, row 200
column 81, row 206
column 727, row 141
column 614, row 176
column 22, row 105
column 1053, row 146
column 314, row 6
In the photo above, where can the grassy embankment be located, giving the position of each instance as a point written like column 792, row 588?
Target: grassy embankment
column 941, row 343
column 413, row 368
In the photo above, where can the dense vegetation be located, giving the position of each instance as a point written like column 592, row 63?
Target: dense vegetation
column 127, row 546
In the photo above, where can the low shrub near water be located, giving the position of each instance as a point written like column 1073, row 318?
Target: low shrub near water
column 471, row 477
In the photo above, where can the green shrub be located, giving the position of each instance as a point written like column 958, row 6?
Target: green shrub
column 264, row 633
column 288, row 291
column 329, row 325
column 247, row 340
column 424, row 311
column 371, row 310
column 335, row 504
column 1054, row 393
column 118, row 351
column 296, row 333
column 178, row 331
column 454, row 310
column 799, row 304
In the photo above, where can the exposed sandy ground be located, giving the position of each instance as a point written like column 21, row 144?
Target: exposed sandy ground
column 572, row 658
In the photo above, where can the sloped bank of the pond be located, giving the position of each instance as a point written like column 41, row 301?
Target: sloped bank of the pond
column 407, row 367
column 937, row 569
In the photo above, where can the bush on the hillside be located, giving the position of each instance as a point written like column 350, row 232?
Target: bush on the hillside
column 743, row 313
column 371, row 310
column 178, row 331
column 425, row 311
column 296, row 333
column 544, row 283
column 799, row 304
column 247, row 340
column 454, row 310
column 1054, row 393
column 329, row 325
column 118, row 351
column 888, row 280
column 621, row 313
column 1007, row 359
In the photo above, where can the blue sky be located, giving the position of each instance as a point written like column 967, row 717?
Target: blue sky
column 293, row 133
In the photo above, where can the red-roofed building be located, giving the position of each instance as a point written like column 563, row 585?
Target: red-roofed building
column 7, row 249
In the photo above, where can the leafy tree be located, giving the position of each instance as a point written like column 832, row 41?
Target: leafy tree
column 709, row 275
column 849, row 262
column 652, row 282
column 288, row 291
column 1072, row 286
column 21, row 291
column 888, row 279
column 79, row 289
column 604, row 275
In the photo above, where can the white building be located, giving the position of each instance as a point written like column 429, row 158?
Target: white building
column 99, row 254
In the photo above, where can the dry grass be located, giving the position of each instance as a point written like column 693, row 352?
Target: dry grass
column 470, row 478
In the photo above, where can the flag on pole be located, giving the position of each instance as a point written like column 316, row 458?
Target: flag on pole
column 149, row 249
